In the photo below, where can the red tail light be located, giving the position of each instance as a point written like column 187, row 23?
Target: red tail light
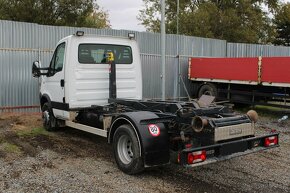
column 269, row 141
column 195, row 157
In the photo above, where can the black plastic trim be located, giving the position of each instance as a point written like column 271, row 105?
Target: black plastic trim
column 60, row 106
column 62, row 82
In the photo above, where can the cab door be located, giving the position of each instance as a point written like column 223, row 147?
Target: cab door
column 53, row 83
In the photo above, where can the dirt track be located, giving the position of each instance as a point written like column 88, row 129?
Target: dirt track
column 32, row 160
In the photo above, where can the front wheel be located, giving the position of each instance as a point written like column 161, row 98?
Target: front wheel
column 127, row 150
column 49, row 121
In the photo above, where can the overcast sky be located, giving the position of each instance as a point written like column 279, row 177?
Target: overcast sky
column 123, row 13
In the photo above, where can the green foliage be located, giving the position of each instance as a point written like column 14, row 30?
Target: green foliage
column 33, row 132
column 232, row 20
column 282, row 22
column 83, row 13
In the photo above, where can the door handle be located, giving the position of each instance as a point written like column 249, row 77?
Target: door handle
column 62, row 82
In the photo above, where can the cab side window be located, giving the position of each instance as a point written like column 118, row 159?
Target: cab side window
column 57, row 60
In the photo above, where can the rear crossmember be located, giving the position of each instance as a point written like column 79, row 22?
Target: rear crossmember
column 227, row 150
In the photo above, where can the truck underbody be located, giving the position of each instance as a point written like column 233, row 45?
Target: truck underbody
column 245, row 94
column 193, row 134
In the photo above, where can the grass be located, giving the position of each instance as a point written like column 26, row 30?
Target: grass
column 11, row 148
column 33, row 132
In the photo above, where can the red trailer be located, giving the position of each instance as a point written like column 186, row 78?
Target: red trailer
column 253, row 81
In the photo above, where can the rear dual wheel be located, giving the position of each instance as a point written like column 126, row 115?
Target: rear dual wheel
column 127, row 150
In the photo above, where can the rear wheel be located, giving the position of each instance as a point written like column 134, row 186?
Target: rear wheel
column 49, row 121
column 207, row 89
column 127, row 150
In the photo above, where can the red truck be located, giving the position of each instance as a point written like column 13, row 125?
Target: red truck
column 256, row 80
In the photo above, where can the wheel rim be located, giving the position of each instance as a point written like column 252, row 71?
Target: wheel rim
column 124, row 147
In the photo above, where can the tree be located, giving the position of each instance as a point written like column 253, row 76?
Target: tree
column 232, row 20
column 82, row 13
column 282, row 22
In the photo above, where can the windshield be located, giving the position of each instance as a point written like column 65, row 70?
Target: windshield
column 96, row 53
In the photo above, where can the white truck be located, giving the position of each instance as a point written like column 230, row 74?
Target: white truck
column 94, row 84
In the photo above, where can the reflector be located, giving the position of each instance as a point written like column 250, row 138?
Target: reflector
column 269, row 141
column 190, row 158
column 195, row 157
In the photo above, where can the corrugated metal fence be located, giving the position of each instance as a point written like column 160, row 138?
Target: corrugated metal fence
column 21, row 43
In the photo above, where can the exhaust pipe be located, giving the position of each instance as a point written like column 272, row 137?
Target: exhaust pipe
column 197, row 123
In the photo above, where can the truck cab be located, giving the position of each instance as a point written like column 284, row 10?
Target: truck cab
column 78, row 73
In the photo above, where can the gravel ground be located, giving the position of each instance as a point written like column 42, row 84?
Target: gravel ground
column 73, row 161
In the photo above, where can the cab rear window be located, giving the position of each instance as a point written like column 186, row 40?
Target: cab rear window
column 96, row 53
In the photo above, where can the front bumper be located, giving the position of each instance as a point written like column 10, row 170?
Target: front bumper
column 228, row 150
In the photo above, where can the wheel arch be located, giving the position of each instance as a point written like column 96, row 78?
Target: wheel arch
column 123, row 121
column 117, row 123
column 44, row 99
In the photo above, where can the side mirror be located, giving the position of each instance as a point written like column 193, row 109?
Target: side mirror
column 36, row 69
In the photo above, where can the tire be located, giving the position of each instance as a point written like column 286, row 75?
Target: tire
column 207, row 89
column 127, row 150
column 49, row 121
